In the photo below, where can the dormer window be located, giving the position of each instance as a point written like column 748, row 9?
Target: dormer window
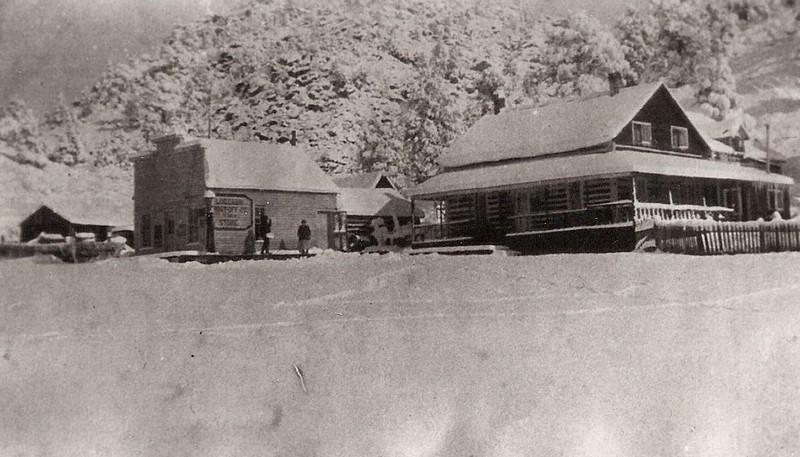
column 680, row 137
column 642, row 133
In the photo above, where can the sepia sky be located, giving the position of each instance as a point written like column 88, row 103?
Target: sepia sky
column 53, row 46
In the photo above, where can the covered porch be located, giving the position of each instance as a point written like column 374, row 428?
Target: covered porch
column 557, row 205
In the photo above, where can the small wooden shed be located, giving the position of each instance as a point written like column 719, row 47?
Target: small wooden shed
column 367, row 196
column 67, row 219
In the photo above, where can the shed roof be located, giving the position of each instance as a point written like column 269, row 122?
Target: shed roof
column 362, row 180
column 374, row 202
column 549, row 129
column 262, row 166
column 576, row 166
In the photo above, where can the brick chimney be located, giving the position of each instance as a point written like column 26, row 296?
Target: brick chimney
column 615, row 83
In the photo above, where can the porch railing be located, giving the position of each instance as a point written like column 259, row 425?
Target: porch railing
column 593, row 215
column 445, row 230
column 666, row 212
column 601, row 214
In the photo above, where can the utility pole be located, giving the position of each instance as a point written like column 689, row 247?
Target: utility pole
column 212, row 56
column 209, row 107
column 768, row 156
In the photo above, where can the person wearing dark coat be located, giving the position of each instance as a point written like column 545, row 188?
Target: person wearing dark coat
column 303, row 237
column 266, row 231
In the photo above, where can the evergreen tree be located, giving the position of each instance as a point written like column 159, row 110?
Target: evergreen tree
column 578, row 55
column 407, row 146
column 683, row 42
column 19, row 134
column 70, row 149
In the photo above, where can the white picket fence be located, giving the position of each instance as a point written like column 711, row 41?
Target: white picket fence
column 705, row 237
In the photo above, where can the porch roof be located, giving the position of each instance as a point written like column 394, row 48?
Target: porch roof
column 578, row 166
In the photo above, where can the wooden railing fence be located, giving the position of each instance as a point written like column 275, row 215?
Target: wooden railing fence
column 663, row 211
column 704, row 237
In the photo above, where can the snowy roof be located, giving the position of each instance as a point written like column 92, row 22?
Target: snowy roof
column 374, row 202
column 576, row 166
column 550, row 129
column 92, row 212
column 718, row 146
column 711, row 128
column 755, row 150
column 364, row 180
column 264, row 166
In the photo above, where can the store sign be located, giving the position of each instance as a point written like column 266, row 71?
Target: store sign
column 233, row 212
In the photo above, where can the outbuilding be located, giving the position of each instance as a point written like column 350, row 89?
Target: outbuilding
column 366, row 196
column 67, row 219
column 208, row 195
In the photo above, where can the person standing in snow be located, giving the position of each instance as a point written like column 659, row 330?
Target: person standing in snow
column 266, row 232
column 303, row 237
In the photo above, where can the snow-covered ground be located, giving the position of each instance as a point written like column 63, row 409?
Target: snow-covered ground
column 573, row 355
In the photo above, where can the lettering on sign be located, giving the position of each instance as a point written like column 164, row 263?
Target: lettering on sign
column 233, row 212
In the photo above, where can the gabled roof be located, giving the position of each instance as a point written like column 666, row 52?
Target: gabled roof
column 374, row 202
column 710, row 128
column 371, row 180
column 577, row 166
column 262, row 166
column 91, row 212
column 550, row 129
column 720, row 147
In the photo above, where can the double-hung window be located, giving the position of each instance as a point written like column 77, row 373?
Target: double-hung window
column 680, row 137
column 642, row 133
column 775, row 199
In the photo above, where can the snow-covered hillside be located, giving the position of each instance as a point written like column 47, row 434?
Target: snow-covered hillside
column 387, row 86
column 768, row 82
column 612, row 355
column 23, row 189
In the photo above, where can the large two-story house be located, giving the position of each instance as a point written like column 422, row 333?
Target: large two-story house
column 586, row 174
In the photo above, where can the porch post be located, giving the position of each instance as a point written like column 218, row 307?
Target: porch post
column 440, row 214
column 739, row 199
column 210, row 245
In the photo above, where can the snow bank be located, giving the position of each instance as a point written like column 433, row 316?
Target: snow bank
column 616, row 354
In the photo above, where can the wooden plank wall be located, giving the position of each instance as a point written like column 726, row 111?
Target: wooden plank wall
column 712, row 237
